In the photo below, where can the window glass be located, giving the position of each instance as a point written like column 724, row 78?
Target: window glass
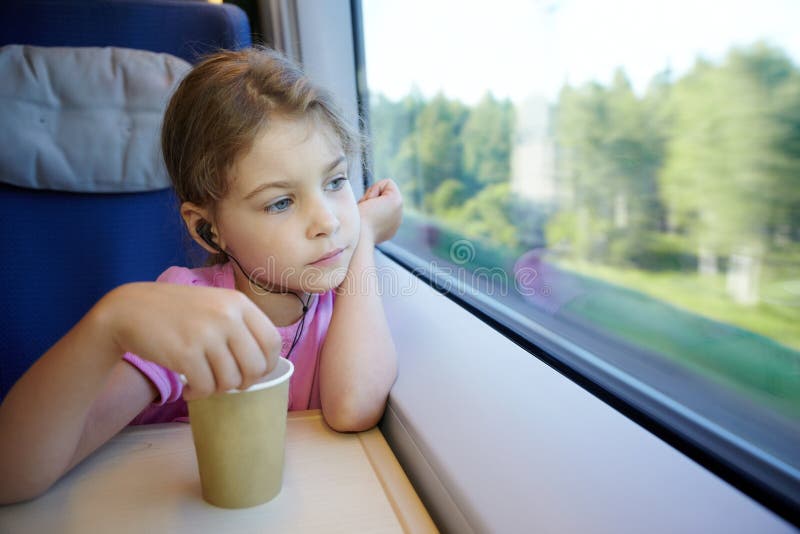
column 626, row 173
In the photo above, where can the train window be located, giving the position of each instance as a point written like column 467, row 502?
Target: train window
column 623, row 176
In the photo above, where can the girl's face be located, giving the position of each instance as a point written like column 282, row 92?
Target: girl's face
column 290, row 216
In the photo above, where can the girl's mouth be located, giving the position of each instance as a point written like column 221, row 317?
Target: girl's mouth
column 328, row 258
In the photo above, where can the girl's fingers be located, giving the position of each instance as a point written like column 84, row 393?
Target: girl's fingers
column 266, row 337
column 388, row 185
column 225, row 369
column 383, row 187
column 199, row 380
column 249, row 357
column 379, row 188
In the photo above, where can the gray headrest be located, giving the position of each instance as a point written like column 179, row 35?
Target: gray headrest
column 84, row 119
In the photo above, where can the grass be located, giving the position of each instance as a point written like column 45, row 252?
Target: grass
column 777, row 318
column 692, row 321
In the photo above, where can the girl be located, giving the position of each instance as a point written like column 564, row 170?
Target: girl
column 259, row 158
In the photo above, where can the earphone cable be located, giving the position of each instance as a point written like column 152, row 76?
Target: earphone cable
column 299, row 330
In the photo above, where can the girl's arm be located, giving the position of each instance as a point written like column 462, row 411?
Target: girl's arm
column 43, row 418
column 358, row 360
column 80, row 392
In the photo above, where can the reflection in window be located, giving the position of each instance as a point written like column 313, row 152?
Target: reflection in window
column 640, row 179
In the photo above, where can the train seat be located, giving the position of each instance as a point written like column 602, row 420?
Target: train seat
column 85, row 203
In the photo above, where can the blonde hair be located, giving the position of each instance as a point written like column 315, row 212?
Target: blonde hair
column 222, row 105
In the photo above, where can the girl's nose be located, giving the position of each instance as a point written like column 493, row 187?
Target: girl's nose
column 323, row 221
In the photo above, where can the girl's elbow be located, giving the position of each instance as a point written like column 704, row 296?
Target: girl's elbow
column 352, row 418
column 351, row 425
column 14, row 493
column 24, row 479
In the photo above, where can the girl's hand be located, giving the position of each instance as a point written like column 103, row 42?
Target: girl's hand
column 381, row 210
column 217, row 338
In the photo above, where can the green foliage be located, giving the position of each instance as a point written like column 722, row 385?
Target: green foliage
column 447, row 199
column 438, row 142
column 486, row 142
column 486, row 215
column 710, row 160
column 530, row 219
column 651, row 251
column 731, row 174
column 611, row 146
column 423, row 144
column 393, row 143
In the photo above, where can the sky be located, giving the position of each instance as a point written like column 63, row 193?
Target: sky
column 523, row 48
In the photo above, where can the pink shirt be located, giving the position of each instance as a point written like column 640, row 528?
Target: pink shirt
column 304, row 384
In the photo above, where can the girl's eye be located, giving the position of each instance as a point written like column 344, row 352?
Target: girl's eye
column 279, row 206
column 337, row 183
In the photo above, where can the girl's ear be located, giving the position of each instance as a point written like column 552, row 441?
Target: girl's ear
column 193, row 216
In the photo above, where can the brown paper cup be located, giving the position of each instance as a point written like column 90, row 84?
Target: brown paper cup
column 239, row 440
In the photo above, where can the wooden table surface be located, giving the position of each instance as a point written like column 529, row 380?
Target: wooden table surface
column 146, row 480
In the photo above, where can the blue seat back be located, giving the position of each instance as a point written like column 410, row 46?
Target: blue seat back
column 183, row 28
column 64, row 250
